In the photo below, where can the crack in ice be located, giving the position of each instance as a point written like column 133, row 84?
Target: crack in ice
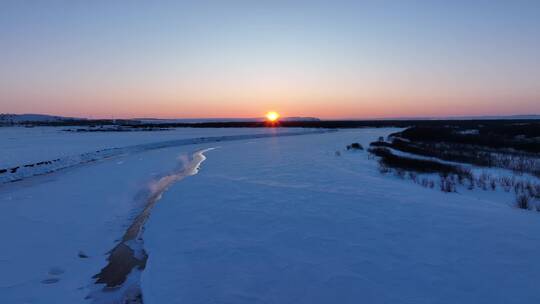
column 127, row 259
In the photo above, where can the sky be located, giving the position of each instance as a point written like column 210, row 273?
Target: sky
column 328, row 59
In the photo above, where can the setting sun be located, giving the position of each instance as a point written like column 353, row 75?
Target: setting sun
column 272, row 116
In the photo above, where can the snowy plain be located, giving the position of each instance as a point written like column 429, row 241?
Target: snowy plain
column 46, row 221
column 265, row 220
column 288, row 221
column 26, row 145
column 45, row 150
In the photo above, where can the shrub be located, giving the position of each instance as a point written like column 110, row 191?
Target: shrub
column 493, row 184
column 400, row 173
column 522, row 201
column 537, row 191
column 381, row 144
column 355, row 146
column 413, row 164
column 450, row 143
column 446, row 184
column 506, row 183
column 482, row 181
column 381, row 152
column 518, row 187
column 384, row 169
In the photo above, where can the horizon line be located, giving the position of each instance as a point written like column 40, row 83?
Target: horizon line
column 441, row 117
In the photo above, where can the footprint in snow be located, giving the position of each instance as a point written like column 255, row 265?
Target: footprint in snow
column 50, row 281
column 54, row 271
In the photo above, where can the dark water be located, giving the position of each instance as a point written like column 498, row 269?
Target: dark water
column 129, row 254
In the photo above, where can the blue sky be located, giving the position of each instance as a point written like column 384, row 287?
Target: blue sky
column 334, row 59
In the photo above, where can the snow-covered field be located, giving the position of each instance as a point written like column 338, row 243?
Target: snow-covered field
column 42, row 150
column 21, row 145
column 265, row 220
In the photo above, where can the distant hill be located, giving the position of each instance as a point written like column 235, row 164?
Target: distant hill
column 479, row 117
column 298, row 119
column 519, row 117
column 14, row 119
column 29, row 118
column 482, row 117
column 42, row 119
column 212, row 120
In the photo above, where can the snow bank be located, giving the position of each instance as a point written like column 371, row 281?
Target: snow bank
column 56, row 229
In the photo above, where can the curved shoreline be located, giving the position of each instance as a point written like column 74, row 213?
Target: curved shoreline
column 24, row 171
column 129, row 255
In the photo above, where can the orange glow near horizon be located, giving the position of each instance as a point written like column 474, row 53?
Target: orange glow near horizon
column 239, row 59
column 166, row 104
column 272, row 116
column 96, row 107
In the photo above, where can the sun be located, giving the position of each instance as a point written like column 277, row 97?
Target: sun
column 272, row 116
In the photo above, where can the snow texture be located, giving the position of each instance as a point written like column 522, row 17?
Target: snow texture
column 288, row 221
column 265, row 220
column 29, row 169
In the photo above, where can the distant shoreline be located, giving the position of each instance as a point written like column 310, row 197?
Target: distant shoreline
column 335, row 124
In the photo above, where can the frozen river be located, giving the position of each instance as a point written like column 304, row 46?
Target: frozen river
column 278, row 219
